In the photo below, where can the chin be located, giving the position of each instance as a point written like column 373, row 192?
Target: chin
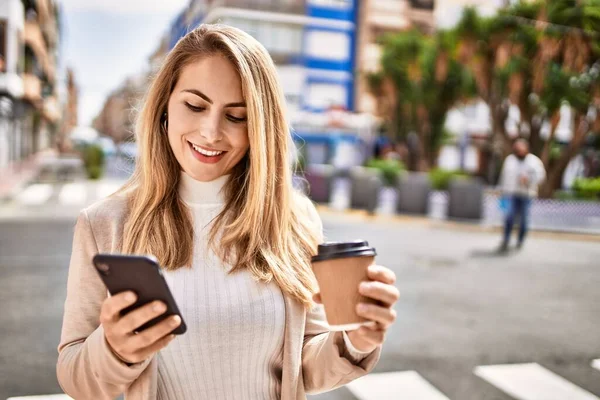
column 205, row 176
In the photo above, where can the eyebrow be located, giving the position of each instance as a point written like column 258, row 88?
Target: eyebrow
column 205, row 97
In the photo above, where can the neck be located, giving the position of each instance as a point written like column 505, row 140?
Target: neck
column 196, row 192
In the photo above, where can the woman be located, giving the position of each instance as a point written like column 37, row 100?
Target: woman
column 212, row 199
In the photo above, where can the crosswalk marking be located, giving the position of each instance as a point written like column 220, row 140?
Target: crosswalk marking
column 531, row 382
column 43, row 397
column 394, row 385
column 73, row 194
column 596, row 364
column 35, row 194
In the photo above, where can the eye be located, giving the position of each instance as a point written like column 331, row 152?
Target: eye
column 194, row 108
column 235, row 119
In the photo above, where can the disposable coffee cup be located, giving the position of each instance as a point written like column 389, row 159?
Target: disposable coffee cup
column 339, row 268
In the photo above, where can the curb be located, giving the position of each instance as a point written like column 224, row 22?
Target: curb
column 413, row 220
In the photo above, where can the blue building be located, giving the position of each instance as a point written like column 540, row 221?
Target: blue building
column 313, row 45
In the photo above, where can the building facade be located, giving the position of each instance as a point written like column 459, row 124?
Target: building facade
column 29, row 109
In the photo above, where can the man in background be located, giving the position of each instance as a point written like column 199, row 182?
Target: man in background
column 522, row 173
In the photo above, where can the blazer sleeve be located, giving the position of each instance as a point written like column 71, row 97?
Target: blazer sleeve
column 87, row 368
column 326, row 361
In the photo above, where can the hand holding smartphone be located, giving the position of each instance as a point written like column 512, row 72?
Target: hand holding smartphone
column 141, row 316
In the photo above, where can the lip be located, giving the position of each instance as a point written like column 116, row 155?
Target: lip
column 206, row 148
column 205, row 159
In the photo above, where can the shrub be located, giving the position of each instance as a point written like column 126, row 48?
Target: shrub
column 587, row 188
column 93, row 160
column 440, row 178
column 391, row 169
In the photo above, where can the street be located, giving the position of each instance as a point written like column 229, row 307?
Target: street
column 461, row 308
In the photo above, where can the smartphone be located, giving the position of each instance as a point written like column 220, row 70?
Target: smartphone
column 143, row 276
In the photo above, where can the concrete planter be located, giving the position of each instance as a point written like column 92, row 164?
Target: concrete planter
column 366, row 186
column 465, row 199
column 319, row 178
column 413, row 193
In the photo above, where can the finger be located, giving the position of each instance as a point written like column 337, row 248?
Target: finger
column 114, row 304
column 317, row 298
column 381, row 274
column 371, row 336
column 149, row 336
column 140, row 316
column 385, row 316
column 379, row 291
column 155, row 347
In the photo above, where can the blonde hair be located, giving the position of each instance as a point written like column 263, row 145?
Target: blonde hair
column 265, row 226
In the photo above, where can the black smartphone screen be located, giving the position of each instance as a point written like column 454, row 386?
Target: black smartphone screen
column 141, row 275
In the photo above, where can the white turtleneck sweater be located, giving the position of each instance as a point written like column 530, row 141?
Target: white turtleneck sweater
column 233, row 346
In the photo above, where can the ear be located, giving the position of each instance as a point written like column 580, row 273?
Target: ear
column 164, row 121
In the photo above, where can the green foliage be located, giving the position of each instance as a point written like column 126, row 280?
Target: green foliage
column 390, row 169
column 410, row 59
column 561, row 86
column 471, row 24
column 94, row 172
column 374, row 81
column 587, row 188
column 440, row 178
column 93, row 160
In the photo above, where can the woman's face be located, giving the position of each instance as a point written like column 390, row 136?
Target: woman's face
column 207, row 127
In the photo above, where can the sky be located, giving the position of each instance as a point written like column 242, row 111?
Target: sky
column 106, row 41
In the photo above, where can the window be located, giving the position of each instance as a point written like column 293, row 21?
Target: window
column 327, row 45
column 3, row 45
column 325, row 95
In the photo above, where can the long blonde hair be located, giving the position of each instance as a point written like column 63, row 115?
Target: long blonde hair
column 265, row 226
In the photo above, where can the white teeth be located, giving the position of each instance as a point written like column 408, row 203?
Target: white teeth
column 206, row 152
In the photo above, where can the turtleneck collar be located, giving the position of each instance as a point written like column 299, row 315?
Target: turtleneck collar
column 195, row 192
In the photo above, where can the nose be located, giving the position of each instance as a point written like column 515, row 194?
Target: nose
column 211, row 129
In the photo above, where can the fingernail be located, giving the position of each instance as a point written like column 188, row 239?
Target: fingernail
column 130, row 297
column 364, row 286
column 175, row 320
column 158, row 307
column 362, row 307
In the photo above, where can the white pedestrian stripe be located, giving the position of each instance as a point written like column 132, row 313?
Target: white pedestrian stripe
column 596, row 364
column 105, row 189
column 35, row 194
column 43, row 397
column 531, row 382
column 73, row 194
column 394, row 386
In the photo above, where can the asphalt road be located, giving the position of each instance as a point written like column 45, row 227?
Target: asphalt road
column 461, row 306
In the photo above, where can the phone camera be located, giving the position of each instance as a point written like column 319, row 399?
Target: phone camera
column 104, row 269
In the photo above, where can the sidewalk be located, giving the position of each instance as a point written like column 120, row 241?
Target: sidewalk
column 425, row 221
column 18, row 174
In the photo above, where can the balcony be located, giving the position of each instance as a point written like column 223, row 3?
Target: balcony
column 290, row 7
column 35, row 40
column 388, row 15
column 32, row 88
column 11, row 84
column 51, row 110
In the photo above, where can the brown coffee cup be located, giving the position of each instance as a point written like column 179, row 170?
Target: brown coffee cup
column 339, row 268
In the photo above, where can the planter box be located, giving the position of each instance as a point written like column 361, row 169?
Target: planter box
column 319, row 178
column 366, row 186
column 413, row 193
column 465, row 199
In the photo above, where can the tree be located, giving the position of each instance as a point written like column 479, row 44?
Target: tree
column 420, row 81
column 537, row 56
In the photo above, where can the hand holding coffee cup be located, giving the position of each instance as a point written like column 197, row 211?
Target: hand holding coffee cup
column 358, row 295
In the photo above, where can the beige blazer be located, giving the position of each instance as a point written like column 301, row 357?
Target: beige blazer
column 314, row 359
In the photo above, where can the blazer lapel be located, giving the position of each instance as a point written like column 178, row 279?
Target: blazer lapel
column 292, row 349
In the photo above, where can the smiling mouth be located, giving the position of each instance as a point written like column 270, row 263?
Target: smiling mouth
column 206, row 152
